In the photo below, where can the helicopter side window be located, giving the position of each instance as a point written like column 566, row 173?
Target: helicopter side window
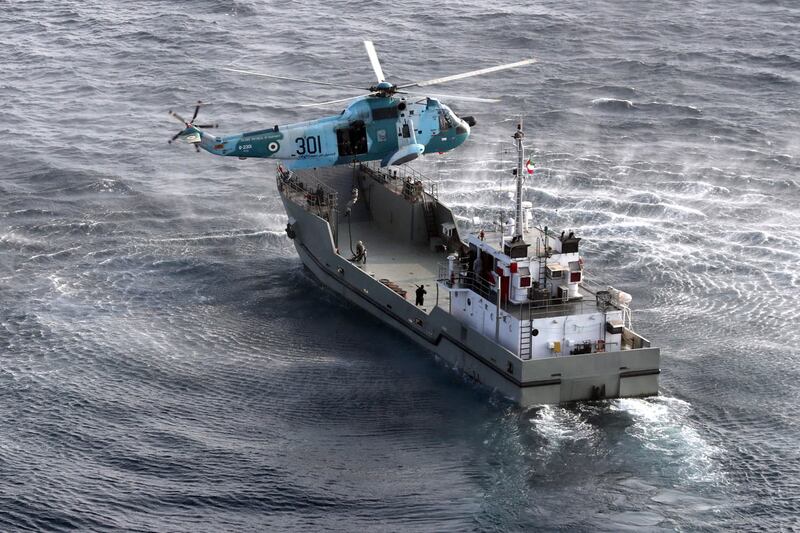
column 385, row 113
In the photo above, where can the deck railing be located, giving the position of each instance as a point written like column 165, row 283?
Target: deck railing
column 403, row 180
column 465, row 279
column 312, row 194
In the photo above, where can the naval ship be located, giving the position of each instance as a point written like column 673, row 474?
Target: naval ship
column 510, row 307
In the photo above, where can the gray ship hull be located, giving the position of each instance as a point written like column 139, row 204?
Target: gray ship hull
column 625, row 373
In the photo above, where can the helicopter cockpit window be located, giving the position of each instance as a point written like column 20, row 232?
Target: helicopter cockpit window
column 444, row 121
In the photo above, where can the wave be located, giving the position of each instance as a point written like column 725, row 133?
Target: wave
column 652, row 108
column 233, row 235
column 613, row 104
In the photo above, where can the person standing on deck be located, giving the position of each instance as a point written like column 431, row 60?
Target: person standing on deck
column 421, row 292
column 360, row 255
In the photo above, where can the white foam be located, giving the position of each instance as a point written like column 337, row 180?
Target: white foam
column 663, row 426
column 558, row 425
column 54, row 254
column 618, row 101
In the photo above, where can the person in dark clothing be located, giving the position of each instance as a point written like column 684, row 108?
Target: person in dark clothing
column 361, row 253
column 421, row 292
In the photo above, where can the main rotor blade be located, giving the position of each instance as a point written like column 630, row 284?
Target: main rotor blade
column 177, row 116
column 206, row 126
column 373, row 58
column 317, row 104
column 315, row 82
column 454, row 97
column 468, row 74
column 196, row 110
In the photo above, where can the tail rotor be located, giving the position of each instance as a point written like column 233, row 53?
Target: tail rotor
column 190, row 133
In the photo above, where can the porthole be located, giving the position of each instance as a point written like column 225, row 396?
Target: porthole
column 469, row 302
column 534, row 332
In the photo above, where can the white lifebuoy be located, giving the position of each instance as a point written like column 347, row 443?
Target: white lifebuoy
column 273, row 146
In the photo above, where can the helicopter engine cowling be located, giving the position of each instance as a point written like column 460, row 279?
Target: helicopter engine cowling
column 404, row 154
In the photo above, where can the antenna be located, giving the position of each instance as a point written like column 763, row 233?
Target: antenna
column 518, row 136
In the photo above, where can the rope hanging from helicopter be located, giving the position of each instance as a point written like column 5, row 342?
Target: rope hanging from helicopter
column 347, row 210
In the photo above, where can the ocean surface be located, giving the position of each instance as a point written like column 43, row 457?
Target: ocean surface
column 167, row 364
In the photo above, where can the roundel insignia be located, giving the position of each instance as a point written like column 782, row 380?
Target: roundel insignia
column 273, row 146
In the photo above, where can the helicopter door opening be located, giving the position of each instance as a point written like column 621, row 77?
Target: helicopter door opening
column 352, row 140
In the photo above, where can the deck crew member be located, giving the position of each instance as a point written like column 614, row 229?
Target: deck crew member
column 352, row 202
column 361, row 253
column 477, row 265
column 421, row 292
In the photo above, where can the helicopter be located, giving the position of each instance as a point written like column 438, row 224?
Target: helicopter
column 389, row 123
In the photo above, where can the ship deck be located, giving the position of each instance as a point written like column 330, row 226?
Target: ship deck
column 403, row 264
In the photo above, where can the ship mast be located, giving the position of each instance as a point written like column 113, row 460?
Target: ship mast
column 518, row 136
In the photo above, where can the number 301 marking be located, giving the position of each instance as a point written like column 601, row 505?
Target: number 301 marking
column 308, row 145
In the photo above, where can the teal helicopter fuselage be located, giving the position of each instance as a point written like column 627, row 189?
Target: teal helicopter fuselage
column 390, row 129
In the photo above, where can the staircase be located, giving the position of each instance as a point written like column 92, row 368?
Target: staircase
column 430, row 217
column 429, row 209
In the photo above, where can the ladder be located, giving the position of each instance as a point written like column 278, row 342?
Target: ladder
column 541, row 253
column 525, row 341
column 434, row 190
